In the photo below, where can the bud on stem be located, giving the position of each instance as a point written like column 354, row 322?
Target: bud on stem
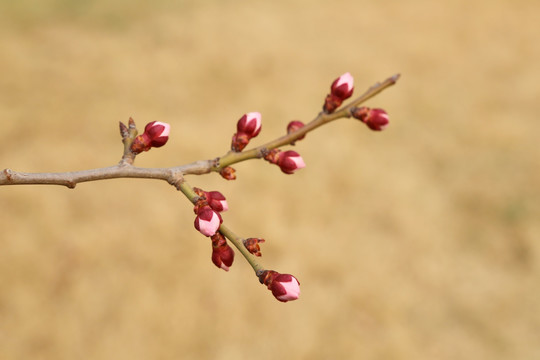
column 284, row 287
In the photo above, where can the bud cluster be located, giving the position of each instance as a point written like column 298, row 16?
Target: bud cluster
column 208, row 205
column 208, row 208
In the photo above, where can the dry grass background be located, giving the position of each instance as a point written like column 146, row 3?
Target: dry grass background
column 421, row 242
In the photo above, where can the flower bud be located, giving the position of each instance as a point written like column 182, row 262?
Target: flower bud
column 290, row 161
column 343, row 86
column 252, row 245
column 284, row 287
column 228, row 173
column 214, row 199
column 293, row 126
column 156, row 134
column 222, row 253
column 341, row 89
column 250, row 124
column 375, row 119
column 247, row 127
column 207, row 221
column 217, row 201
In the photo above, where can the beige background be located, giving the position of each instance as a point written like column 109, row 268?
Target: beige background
column 420, row 242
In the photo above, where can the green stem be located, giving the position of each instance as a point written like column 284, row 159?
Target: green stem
column 188, row 191
column 239, row 243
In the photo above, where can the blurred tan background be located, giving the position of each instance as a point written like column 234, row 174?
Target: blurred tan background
column 420, row 242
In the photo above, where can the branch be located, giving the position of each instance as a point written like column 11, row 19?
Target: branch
column 208, row 205
column 125, row 169
column 122, row 170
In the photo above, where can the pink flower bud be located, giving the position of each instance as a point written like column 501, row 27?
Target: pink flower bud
column 156, row 134
column 343, row 86
column 290, row 161
column 284, row 287
column 222, row 253
column 295, row 125
column 207, row 221
column 250, row 124
column 375, row 119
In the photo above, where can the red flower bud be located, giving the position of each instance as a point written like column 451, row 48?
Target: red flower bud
column 343, row 86
column 247, row 127
column 156, row 134
column 217, row 201
column 290, row 161
column 250, row 124
column 284, row 287
column 207, row 221
column 295, row 125
column 222, row 253
column 252, row 245
column 214, row 199
column 375, row 119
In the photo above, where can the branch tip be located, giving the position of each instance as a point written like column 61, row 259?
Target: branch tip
column 395, row 78
column 131, row 123
column 124, row 131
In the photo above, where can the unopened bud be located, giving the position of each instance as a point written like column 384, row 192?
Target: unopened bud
column 228, row 173
column 207, row 221
column 156, row 134
column 341, row 89
column 214, row 199
column 252, row 245
column 375, row 119
column 222, row 253
column 284, row 287
column 248, row 126
column 293, row 126
column 343, row 86
column 290, row 161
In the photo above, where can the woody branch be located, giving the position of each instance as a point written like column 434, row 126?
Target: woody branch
column 172, row 174
column 209, row 205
